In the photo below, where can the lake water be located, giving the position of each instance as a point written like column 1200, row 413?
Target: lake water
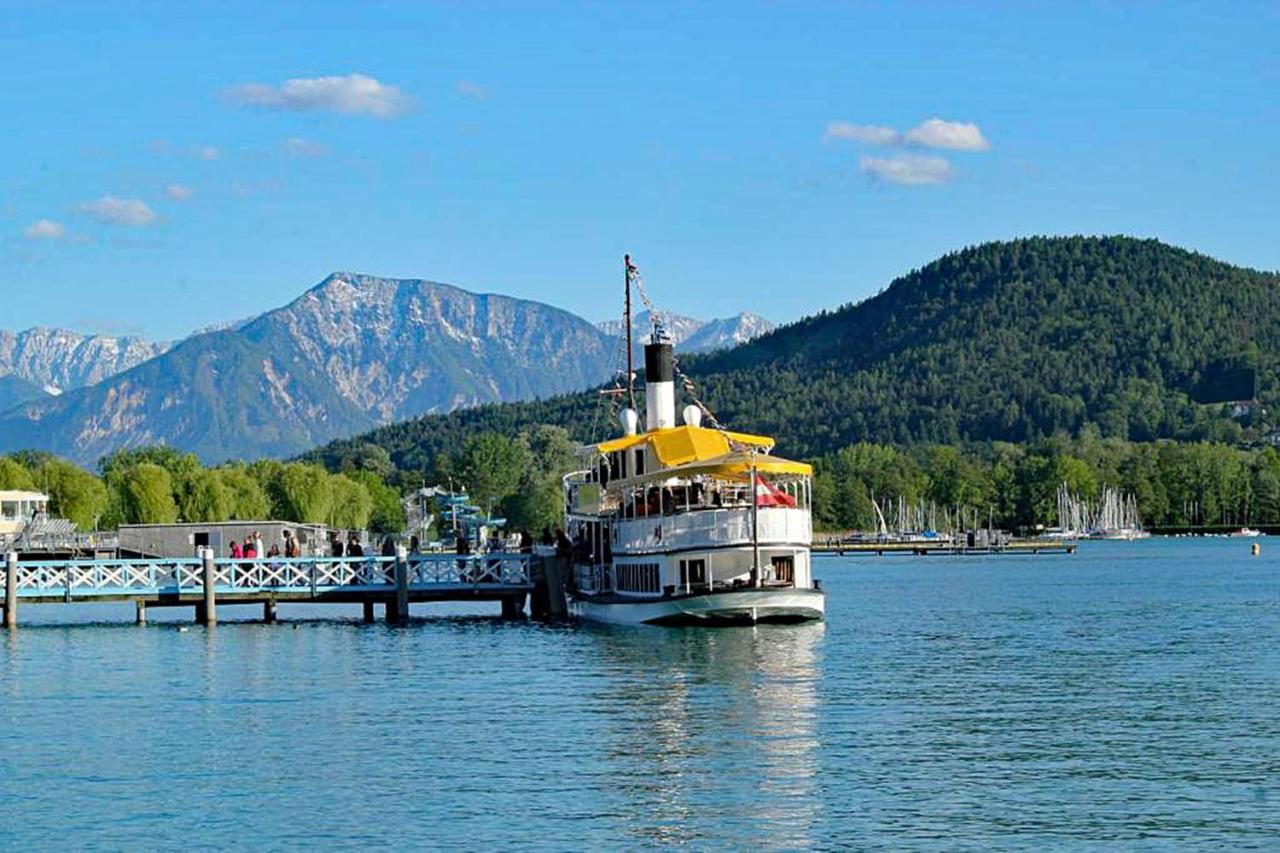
column 1126, row 696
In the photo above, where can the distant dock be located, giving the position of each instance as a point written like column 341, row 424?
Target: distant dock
column 941, row 548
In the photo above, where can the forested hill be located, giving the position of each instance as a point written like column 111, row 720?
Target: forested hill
column 1005, row 341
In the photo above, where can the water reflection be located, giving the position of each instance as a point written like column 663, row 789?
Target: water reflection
column 705, row 730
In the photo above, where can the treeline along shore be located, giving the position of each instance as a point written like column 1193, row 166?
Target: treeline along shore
column 159, row 485
column 1177, row 485
column 1015, row 486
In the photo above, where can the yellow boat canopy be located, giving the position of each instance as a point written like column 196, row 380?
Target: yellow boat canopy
column 686, row 444
column 729, row 466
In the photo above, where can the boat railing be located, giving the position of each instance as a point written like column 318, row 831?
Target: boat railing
column 714, row 527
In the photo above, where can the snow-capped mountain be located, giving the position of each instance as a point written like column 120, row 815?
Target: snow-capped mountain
column 691, row 335
column 58, row 360
column 727, row 332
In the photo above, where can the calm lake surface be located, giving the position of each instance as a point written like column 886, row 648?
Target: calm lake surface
column 1126, row 696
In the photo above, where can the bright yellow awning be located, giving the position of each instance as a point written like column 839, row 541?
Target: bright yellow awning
column 683, row 444
column 729, row 466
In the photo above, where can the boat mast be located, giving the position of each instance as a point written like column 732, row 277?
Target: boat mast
column 755, row 523
column 631, row 374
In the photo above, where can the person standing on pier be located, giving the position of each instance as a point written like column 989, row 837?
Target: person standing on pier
column 292, row 548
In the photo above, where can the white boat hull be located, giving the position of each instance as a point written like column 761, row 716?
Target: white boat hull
column 747, row 606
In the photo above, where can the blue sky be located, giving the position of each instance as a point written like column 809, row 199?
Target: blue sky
column 158, row 173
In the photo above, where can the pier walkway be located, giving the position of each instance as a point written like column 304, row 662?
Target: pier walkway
column 206, row 581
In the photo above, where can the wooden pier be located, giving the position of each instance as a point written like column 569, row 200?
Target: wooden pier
column 206, row 582
column 925, row 549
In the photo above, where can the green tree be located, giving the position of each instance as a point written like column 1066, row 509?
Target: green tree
column 388, row 513
column 204, row 497
column 74, row 493
column 14, row 475
column 147, row 491
column 350, row 503
column 491, row 467
column 305, row 493
column 247, row 498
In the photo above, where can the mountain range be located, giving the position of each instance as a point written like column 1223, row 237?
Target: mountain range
column 352, row 352
column 57, row 360
column 1009, row 341
column 690, row 335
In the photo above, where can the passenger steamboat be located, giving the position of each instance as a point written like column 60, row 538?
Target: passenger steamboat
column 686, row 523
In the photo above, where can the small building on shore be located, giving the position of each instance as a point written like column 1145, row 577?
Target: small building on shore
column 18, row 511
column 182, row 540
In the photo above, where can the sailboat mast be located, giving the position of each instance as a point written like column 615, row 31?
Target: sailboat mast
column 631, row 373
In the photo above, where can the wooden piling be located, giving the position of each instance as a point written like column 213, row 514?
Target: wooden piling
column 513, row 606
column 269, row 612
column 548, row 603
column 11, row 590
column 140, row 612
column 402, row 587
column 208, row 612
column 368, row 611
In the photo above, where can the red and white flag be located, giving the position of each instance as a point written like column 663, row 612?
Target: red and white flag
column 767, row 494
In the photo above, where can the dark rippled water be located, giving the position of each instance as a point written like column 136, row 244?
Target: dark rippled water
column 1127, row 696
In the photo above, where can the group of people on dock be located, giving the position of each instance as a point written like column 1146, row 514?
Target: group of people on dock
column 252, row 547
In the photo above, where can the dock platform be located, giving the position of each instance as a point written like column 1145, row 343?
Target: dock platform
column 205, row 582
column 925, row 549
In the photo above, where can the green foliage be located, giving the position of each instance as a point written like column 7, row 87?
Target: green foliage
column 159, row 485
column 351, row 505
column 14, row 475
column 74, row 493
column 490, row 466
column 146, row 490
column 302, row 492
column 247, row 498
column 203, row 496
column 387, row 514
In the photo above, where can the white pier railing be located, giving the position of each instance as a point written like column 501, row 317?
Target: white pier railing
column 88, row 579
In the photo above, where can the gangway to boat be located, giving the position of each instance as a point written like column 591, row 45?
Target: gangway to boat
column 205, row 582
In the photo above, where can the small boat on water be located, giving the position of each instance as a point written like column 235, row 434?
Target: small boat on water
column 1245, row 533
column 686, row 523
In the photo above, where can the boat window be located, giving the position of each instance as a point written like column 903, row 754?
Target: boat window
column 784, row 569
column 9, row 510
column 693, row 573
column 637, row 577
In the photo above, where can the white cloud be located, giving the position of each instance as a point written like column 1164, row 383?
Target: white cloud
column 934, row 133
column 179, row 192
column 110, row 210
column 354, row 94
column 956, row 135
column 206, row 152
column 911, row 170
column 469, row 89
column 44, row 229
column 871, row 134
column 296, row 146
